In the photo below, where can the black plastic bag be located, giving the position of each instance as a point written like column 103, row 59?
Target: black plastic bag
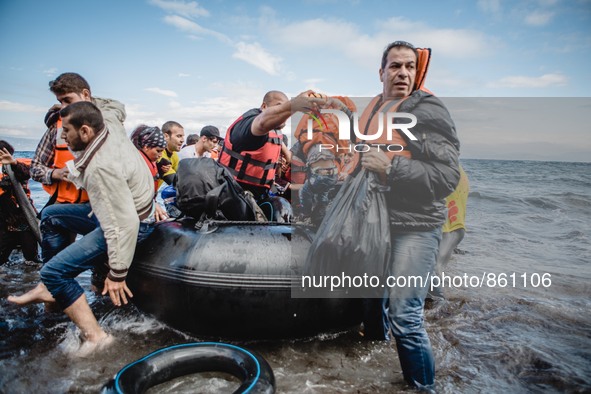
column 353, row 240
column 207, row 189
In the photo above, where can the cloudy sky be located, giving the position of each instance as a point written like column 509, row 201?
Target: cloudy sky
column 207, row 62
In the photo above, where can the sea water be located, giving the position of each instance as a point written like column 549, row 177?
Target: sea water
column 526, row 327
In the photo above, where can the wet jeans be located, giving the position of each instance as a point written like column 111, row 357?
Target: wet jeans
column 59, row 273
column 59, row 225
column 449, row 241
column 413, row 255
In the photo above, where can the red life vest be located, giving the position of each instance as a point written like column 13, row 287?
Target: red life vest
column 66, row 191
column 255, row 167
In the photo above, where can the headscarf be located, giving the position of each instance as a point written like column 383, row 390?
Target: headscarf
column 152, row 137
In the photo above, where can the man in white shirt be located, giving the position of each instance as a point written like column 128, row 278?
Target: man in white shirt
column 208, row 139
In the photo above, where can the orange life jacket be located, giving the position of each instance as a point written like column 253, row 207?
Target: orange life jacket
column 423, row 61
column 256, row 167
column 66, row 191
column 325, row 129
column 368, row 125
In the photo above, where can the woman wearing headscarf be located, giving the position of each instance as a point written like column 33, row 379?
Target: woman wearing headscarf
column 151, row 143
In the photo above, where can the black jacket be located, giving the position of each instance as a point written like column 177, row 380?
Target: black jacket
column 418, row 186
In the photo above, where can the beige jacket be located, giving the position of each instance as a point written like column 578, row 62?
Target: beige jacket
column 119, row 185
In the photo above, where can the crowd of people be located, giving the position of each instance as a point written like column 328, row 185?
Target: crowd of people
column 112, row 203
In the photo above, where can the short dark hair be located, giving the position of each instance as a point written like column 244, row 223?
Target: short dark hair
column 397, row 44
column 191, row 139
column 167, row 127
column 84, row 113
column 68, row 83
column 7, row 146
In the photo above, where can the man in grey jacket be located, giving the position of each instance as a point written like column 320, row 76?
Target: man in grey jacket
column 419, row 178
column 49, row 167
column 123, row 205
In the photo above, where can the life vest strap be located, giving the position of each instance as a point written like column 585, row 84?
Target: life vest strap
column 266, row 172
column 295, row 168
column 250, row 179
column 245, row 162
column 268, row 165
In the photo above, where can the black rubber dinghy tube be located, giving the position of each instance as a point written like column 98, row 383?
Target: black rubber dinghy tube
column 180, row 360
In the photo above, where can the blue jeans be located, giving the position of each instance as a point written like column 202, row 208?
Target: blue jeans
column 413, row 254
column 449, row 241
column 59, row 225
column 59, row 273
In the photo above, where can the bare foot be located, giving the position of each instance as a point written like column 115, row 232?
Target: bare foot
column 87, row 348
column 38, row 294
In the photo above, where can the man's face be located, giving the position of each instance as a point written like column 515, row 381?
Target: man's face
column 73, row 137
column 175, row 139
column 70, row 98
column 209, row 143
column 398, row 75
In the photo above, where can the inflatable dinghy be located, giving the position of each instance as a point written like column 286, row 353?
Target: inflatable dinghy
column 233, row 280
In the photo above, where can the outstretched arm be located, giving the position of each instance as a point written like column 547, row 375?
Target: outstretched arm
column 274, row 117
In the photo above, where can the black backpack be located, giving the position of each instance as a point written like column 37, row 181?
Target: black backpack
column 207, row 189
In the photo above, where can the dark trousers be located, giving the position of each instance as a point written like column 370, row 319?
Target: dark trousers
column 10, row 240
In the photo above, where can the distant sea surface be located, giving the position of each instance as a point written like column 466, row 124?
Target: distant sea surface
column 530, row 221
